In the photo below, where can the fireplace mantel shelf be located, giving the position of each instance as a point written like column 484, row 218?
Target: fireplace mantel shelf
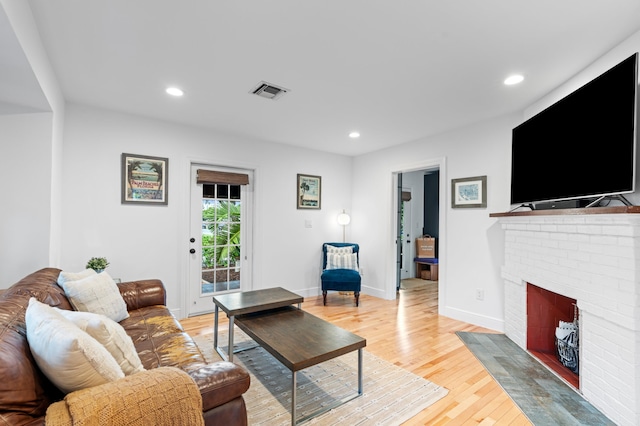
column 572, row 212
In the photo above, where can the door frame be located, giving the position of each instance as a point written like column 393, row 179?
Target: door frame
column 184, row 247
column 427, row 164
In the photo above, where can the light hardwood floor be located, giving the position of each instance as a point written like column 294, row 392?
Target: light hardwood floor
column 409, row 333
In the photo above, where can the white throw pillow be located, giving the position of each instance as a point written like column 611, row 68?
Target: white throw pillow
column 339, row 250
column 74, row 276
column 109, row 334
column 98, row 294
column 342, row 261
column 68, row 356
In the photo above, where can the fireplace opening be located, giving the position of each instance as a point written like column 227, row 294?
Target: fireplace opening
column 546, row 313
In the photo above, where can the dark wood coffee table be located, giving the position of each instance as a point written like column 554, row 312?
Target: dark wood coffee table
column 245, row 303
column 299, row 340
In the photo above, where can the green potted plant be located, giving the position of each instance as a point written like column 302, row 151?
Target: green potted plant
column 98, row 264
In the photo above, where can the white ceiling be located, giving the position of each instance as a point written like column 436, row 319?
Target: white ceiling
column 396, row 71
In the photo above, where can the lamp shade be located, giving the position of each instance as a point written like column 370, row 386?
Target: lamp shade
column 343, row 219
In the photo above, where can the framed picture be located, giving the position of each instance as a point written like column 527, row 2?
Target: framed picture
column 469, row 192
column 309, row 192
column 144, row 179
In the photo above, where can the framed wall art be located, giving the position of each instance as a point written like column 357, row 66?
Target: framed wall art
column 469, row 192
column 144, row 179
column 309, row 192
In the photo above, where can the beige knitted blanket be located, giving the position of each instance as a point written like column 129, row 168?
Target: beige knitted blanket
column 162, row 396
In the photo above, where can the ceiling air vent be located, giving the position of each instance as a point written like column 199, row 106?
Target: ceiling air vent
column 268, row 90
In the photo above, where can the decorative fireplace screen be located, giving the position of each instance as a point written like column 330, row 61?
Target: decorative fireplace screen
column 567, row 342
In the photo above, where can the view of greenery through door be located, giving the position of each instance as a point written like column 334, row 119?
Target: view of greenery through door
column 221, row 214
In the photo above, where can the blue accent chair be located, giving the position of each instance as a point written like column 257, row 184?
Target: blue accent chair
column 340, row 279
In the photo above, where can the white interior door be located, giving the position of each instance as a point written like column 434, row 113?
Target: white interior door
column 219, row 240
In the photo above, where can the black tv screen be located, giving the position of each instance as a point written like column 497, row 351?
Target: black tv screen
column 583, row 146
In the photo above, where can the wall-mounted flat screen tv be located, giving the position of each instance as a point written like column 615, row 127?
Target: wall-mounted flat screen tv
column 583, row 146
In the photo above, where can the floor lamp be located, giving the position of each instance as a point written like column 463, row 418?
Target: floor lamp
column 344, row 219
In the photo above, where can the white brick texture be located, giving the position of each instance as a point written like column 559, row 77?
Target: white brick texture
column 594, row 259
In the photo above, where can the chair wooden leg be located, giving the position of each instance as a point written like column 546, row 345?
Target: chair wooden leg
column 324, row 297
column 357, row 294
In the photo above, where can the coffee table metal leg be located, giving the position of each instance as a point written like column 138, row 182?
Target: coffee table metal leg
column 229, row 355
column 294, row 387
column 360, row 371
column 215, row 328
column 230, row 350
column 215, row 335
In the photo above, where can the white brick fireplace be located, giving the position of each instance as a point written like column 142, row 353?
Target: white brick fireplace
column 595, row 259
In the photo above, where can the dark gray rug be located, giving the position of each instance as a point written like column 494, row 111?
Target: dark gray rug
column 541, row 395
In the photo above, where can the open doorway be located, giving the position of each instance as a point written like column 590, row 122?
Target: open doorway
column 418, row 215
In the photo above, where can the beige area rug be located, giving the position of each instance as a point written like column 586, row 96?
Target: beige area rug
column 390, row 396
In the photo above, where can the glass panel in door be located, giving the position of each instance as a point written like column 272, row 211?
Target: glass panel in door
column 221, row 248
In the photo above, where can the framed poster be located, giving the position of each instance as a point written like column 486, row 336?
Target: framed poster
column 144, row 179
column 309, row 192
column 469, row 192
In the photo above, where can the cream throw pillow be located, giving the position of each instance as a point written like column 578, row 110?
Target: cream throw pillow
column 68, row 356
column 97, row 293
column 109, row 334
column 74, row 276
column 342, row 261
column 339, row 250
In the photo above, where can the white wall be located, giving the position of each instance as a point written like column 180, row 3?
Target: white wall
column 40, row 137
column 25, row 196
column 152, row 241
column 470, row 243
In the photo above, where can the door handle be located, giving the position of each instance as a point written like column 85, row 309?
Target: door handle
column 192, row 240
column 192, row 251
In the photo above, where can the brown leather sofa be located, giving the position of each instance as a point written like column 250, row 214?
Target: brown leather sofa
column 25, row 393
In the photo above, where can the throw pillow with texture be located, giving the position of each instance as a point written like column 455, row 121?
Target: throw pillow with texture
column 339, row 250
column 68, row 356
column 342, row 261
column 98, row 294
column 74, row 276
column 109, row 334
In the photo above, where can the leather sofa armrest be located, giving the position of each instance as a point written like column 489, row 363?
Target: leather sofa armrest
column 139, row 294
column 219, row 382
column 161, row 396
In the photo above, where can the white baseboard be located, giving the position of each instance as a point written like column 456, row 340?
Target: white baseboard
column 376, row 292
column 473, row 318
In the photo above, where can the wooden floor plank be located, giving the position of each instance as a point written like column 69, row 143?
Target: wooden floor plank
column 409, row 333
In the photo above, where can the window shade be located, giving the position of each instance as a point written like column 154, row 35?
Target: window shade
column 211, row 176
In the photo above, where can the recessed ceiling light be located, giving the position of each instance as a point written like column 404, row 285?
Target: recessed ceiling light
column 354, row 135
column 174, row 91
column 513, row 79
